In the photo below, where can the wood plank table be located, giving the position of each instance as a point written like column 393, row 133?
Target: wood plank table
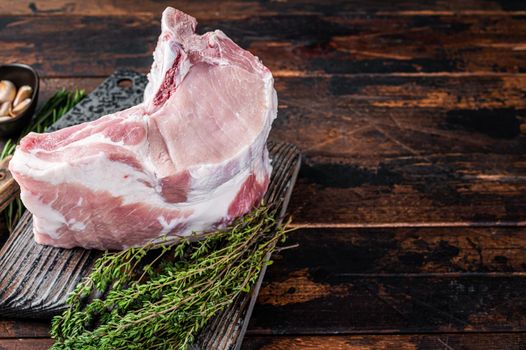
column 411, row 201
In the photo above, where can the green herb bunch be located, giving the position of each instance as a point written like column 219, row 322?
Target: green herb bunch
column 161, row 296
column 60, row 103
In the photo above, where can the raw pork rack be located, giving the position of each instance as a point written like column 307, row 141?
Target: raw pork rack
column 190, row 158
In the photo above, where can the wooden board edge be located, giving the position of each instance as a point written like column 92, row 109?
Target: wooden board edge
column 255, row 291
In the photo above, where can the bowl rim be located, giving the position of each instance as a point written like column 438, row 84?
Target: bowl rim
column 35, row 88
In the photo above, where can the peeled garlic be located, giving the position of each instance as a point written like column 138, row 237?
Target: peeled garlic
column 5, row 118
column 4, row 108
column 22, row 93
column 20, row 108
column 7, row 91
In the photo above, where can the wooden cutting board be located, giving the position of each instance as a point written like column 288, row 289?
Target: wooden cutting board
column 35, row 280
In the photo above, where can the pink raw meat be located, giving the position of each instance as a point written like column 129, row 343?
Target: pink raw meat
column 188, row 159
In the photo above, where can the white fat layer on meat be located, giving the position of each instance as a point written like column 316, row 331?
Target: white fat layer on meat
column 89, row 140
column 123, row 181
column 49, row 220
column 204, row 213
column 76, row 225
column 167, row 227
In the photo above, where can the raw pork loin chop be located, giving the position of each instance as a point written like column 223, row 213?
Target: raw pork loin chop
column 188, row 159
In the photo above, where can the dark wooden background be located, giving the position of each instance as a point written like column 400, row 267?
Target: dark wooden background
column 411, row 200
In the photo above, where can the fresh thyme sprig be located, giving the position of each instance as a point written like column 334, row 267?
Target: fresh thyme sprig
column 60, row 103
column 161, row 296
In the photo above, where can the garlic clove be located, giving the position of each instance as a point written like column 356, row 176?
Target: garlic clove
column 20, row 108
column 7, row 91
column 22, row 93
column 4, row 108
column 5, row 118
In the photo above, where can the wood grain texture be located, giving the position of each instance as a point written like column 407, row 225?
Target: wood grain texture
column 395, row 281
column 453, row 190
column 25, row 344
column 290, row 45
column 16, row 328
column 388, row 342
column 9, row 189
column 402, row 251
column 358, row 342
column 372, row 118
column 230, row 9
column 349, row 304
column 406, row 150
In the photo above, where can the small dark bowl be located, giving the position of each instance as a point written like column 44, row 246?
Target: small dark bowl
column 19, row 74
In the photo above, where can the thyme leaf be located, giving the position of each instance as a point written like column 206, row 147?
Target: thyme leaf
column 160, row 296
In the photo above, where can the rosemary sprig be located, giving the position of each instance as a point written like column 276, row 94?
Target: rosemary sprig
column 161, row 296
column 60, row 103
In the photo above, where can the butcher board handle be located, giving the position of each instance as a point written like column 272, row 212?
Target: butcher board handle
column 8, row 187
